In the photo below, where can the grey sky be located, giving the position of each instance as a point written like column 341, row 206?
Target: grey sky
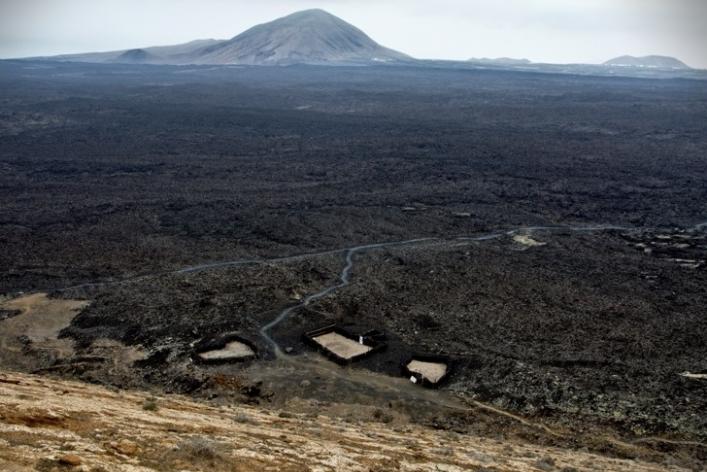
column 541, row 30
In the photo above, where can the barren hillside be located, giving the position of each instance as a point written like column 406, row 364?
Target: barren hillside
column 49, row 424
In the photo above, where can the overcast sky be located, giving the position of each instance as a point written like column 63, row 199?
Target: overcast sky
column 561, row 31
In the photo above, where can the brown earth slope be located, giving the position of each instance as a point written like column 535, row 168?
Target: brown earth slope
column 48, row 424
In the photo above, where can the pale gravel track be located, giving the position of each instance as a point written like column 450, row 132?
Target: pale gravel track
column 350, row 252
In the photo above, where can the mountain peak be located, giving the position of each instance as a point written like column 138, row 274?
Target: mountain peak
column 309, row 36
column 312, row 12
column 304, row 37
column 307, row 21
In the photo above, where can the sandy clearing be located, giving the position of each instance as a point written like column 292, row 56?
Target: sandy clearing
column 232, row 350
column 341, row 345
column 432, row 371
column 526, row 240
column 41, row 317
column 41, row 320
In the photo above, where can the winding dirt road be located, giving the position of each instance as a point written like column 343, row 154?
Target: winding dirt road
column 345, row 275
column 350, row 252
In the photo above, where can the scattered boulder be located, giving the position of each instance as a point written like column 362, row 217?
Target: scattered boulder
column 72, row 460
column 125, row 447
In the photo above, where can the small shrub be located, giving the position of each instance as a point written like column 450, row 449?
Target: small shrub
column 198, row 451
column 243, row 418
column 382, row 416
column 546, row 464
column 150, row 404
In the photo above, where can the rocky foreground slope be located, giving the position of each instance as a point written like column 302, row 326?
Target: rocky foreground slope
column 48, row 424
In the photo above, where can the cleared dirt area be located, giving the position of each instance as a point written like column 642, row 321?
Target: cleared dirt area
column 341, row 346
column 49, row 425
column 30, row 340
column 527, row 241
column 40, row 320
column 232, row 350
column 432, row 371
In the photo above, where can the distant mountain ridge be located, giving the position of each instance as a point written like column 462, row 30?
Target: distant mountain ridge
column 134, row 56
column 306, row 37
column 654, row 62
column 311, row 36
column 315, row 37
